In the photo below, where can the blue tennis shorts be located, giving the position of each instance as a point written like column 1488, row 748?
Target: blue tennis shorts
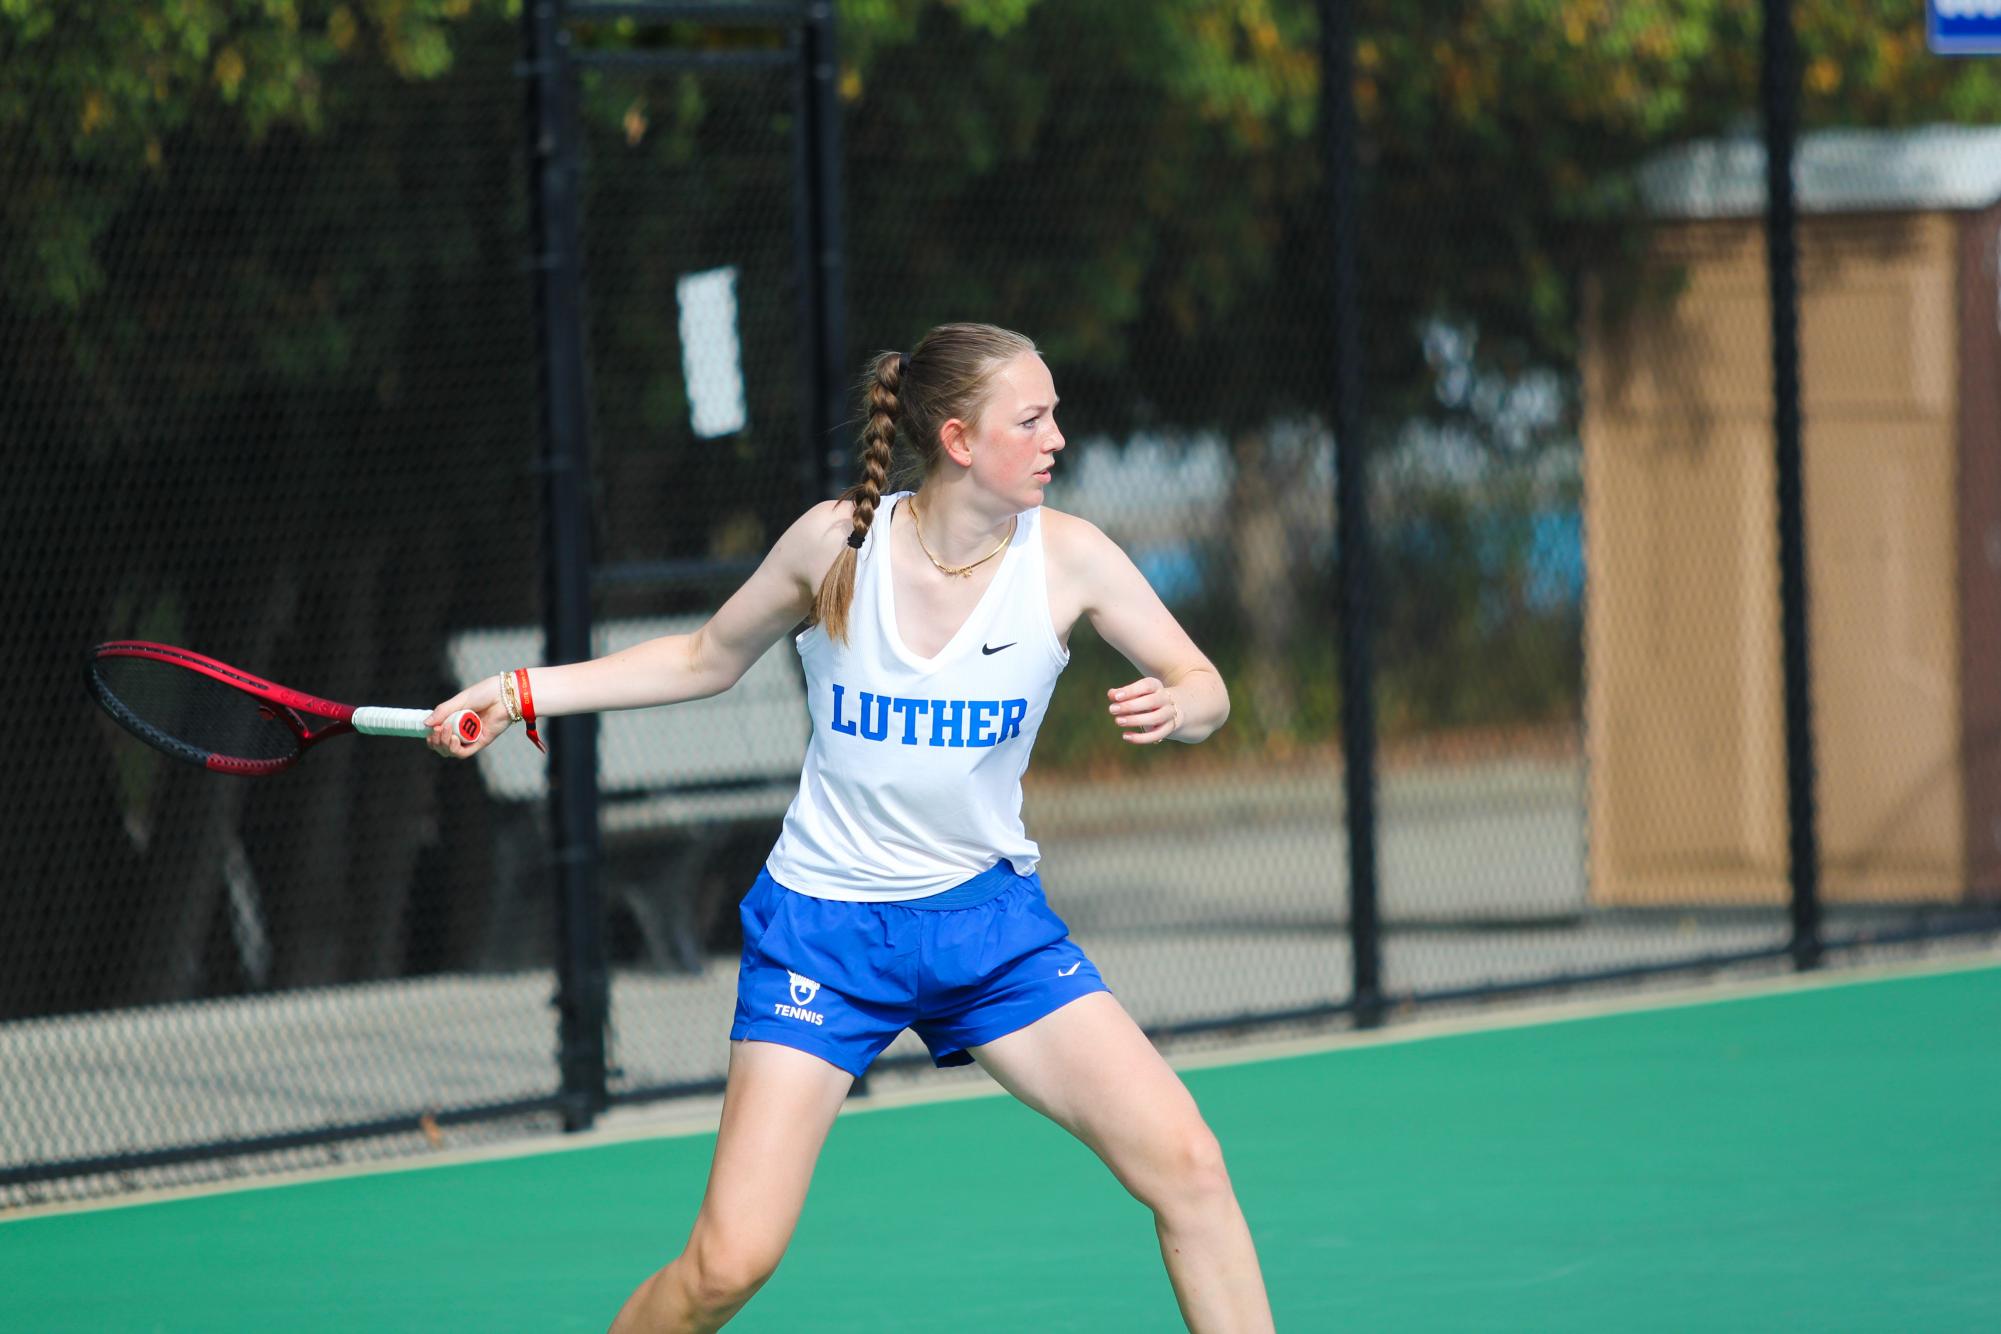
column 841, row 980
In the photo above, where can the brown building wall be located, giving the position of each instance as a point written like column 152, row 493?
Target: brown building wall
column 1683, row 703
column 1979, row 425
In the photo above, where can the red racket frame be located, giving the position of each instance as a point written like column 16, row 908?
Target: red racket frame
column 285, row 704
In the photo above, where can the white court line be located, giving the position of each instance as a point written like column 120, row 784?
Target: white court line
column 702, row 1119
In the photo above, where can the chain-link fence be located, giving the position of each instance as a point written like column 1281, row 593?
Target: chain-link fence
column 1523, row 703
column 268, row 375
column 273, row 374
column 705, row 451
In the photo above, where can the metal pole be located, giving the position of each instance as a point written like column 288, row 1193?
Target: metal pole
column 1356, row 608
column 582, row 996
column 822, row 273
column 1780, row 89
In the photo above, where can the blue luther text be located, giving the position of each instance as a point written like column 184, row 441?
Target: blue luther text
column 926, row 722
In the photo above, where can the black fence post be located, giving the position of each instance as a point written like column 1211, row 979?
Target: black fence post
column 1356, row 610
column 582, row 993
column 822, row 270
column 1780, row 89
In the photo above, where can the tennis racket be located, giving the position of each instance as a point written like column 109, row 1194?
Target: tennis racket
column 220, row 717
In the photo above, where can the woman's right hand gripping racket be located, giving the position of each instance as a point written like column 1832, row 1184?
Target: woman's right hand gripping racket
column 220, row 717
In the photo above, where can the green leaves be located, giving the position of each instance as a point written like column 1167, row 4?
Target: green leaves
column 95, row 96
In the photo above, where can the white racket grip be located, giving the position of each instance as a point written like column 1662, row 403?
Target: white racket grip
column 377, row 721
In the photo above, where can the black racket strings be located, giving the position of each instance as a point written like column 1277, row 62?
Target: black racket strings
column 188, row 714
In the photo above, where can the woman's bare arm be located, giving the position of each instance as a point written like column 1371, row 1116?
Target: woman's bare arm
column 672, row 668
column 1181, row 694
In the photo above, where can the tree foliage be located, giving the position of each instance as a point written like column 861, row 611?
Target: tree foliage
column 97, row 91
column 1128, row 178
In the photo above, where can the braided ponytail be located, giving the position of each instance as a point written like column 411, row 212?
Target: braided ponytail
column 837, row 590
column 948, row 374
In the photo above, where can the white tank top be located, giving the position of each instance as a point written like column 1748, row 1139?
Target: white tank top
column 912, row 779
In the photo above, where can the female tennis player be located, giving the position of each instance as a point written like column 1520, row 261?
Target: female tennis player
column 902, row 892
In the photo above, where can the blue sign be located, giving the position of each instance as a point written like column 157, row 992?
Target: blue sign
column 1963, row 27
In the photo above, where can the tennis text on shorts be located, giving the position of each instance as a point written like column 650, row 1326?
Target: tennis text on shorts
column 803, row 991
column 947, row 722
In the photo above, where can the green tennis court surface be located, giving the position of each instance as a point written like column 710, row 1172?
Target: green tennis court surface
column 1824, row 1159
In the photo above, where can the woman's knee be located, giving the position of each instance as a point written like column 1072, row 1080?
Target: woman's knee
column 1186, row 1170
column 726, row 1269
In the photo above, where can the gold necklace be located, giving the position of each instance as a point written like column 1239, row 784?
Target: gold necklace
column 963, row 571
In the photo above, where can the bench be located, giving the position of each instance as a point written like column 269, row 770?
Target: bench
column 689, row 795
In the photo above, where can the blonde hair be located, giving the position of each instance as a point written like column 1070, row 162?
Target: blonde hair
column 948, row 374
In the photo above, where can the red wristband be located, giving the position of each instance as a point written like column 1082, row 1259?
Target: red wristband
column 527, row 697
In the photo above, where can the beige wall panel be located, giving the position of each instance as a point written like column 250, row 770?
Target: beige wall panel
column 1883, row 551
column 1876, row 316
column 1686, row 762
column 1684, row 701
column 1978, row 416
column 1698, row 347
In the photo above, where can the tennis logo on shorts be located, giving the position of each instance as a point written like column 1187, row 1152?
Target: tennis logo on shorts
column 804, row 989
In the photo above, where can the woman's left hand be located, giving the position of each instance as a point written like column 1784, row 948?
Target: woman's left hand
column 1147, row 711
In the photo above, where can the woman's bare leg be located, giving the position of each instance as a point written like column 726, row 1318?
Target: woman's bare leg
column 1089, row 1068
column 777, row 1108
